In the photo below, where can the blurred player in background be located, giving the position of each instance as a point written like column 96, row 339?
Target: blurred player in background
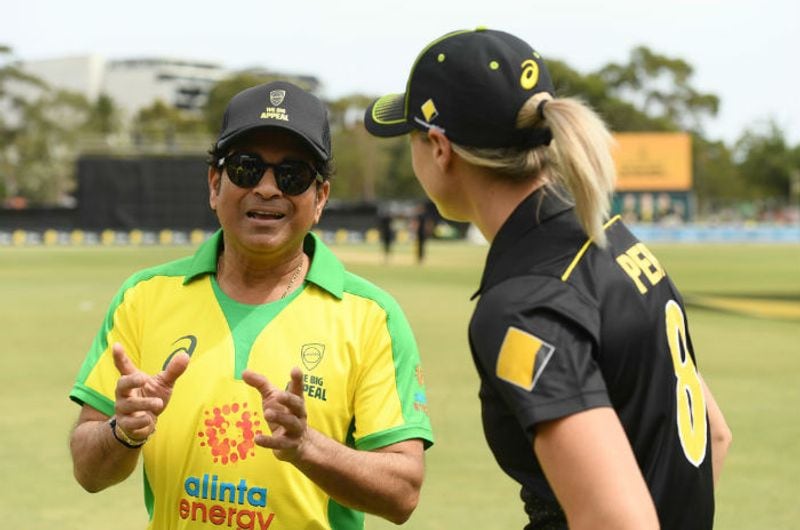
column 190, row 367
column 386, row 231
column 590, row 394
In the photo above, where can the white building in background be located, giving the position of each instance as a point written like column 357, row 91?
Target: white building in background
column 137, row 83
column 84, row 74
column 132, row 83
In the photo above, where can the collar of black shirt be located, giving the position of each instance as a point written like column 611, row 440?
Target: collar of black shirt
column 543, row 204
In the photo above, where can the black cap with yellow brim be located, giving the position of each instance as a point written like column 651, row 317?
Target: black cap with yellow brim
column 471, row 84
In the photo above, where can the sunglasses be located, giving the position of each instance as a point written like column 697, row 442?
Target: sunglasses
column 292, row 177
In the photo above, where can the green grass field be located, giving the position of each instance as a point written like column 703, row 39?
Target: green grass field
column 52, row 301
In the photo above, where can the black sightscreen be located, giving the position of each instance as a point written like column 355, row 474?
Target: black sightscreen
column 148, row 193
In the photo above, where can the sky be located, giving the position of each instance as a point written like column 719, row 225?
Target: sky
column 744, row 51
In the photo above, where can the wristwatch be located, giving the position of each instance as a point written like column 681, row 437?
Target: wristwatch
column 122, row 437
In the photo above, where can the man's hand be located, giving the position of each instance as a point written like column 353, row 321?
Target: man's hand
column 285, row 413
column 385, row 481
column 140, row 397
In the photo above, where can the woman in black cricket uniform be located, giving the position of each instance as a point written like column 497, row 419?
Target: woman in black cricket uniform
column 590, row 394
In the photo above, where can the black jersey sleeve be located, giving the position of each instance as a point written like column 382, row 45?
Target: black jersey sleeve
column 534, row 342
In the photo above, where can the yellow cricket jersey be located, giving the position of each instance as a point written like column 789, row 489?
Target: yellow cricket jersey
column 362, row 382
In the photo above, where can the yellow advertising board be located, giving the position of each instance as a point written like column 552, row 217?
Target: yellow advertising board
column 653, row 161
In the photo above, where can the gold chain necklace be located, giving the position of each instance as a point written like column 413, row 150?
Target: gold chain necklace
column 295, row 274
column 292, row 279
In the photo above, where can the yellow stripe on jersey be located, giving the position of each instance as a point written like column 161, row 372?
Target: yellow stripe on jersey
column 584, row 248
column 522, row 358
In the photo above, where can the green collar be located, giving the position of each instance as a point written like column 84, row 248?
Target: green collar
column 326, row 270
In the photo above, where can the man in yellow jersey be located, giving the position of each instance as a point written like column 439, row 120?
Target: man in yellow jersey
column 264, row 385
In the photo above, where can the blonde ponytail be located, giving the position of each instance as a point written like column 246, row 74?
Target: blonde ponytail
column 581, row 158
column 578, row 159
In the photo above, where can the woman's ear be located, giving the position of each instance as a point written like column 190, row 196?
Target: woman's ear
column 441, row 149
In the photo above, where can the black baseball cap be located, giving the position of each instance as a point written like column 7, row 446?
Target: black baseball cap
column 281, row 105
column 471, row 84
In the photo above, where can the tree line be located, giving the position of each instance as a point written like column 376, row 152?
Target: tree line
column 44, row 129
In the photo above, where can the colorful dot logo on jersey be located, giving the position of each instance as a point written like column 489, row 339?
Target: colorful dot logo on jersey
column 229, row 433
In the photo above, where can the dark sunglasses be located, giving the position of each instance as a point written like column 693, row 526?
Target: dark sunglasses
column 292, row 177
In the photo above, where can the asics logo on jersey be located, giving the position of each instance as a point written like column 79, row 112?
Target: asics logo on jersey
column 186, row 344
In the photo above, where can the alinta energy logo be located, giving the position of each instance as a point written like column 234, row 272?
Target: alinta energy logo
column 228, row 433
